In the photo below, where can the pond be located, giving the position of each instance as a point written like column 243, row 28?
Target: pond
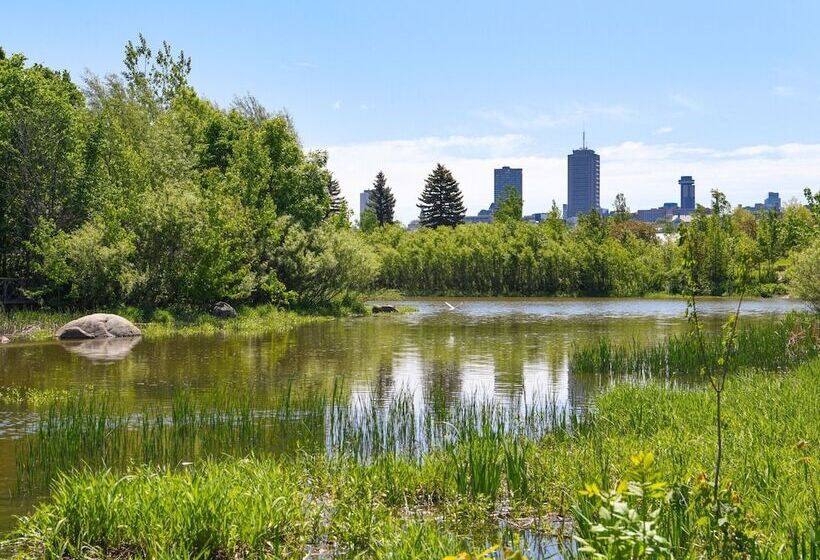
column 499, row 349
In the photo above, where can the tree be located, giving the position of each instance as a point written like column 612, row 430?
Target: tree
column 770, row 241
column 160, row 77
column 511, row 207
column 337, row 201
column 441, row 203
column 804, row 274
column 382, row 202
column 621, row 213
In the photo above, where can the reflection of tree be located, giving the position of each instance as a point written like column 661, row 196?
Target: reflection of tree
column 384, row 379
column 442, row 385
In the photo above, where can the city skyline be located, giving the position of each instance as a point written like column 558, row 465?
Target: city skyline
column 742, row 119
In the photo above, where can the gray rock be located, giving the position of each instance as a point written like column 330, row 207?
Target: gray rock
column 98, row 325
column 223, row 310
column 384, row 309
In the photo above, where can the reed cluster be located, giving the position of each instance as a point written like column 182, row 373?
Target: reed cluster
column 767, row 346
column 475, row 474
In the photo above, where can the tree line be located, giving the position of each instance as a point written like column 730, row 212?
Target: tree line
column 131, row 189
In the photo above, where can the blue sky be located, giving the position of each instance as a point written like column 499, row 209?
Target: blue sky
column 726, row 91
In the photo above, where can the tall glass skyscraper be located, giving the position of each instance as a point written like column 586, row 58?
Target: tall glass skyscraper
column 504, row 178
column 583, row 182
column 364, row 201
column 687, row 192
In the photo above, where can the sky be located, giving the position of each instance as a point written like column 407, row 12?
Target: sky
column 728, row 92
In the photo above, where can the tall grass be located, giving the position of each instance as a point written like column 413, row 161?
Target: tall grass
column 369, row 496
column 775, row 346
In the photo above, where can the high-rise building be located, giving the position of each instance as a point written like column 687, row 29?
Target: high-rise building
column 583, row 182
column 772, row 202
column 364, row 201
column 687, row 192
column 503, row 179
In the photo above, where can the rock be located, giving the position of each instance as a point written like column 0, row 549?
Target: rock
column 384, row 309
column 4, row 340
column 98, row 325
column 223, row 310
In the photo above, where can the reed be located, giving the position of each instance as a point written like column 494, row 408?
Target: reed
column 775, row 346
column 361, row 488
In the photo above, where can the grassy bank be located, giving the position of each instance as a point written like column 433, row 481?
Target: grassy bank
column 41, row 325
column 483, row 471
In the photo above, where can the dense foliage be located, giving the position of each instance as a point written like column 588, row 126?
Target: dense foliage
column 132, row 189
column 601, row 256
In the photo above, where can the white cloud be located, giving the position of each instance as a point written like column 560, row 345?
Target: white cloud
column 783, row 91
column 663, row 130
column 337, row 105
column 572, row 114
column 363, row 107
column 646, row 173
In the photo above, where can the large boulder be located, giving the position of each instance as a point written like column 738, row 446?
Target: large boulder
column 223, row 310
column 98, row 325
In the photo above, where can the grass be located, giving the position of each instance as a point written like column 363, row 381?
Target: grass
column 27, row 325
column 768, row 346
column 363, row 489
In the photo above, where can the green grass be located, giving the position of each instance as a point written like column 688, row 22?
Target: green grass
column 773, row 346
column 471, row 466
column 251, row 320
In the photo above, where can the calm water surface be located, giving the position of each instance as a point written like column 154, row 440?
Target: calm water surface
column 485, row 348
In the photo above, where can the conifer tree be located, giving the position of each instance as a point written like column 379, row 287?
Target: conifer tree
column 336, row 199
column 441, row 203
column 382, row 202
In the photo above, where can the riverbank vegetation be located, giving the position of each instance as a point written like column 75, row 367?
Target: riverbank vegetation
column 645, row 449
column 605, row 256
column 132, row 190
column 24, row 325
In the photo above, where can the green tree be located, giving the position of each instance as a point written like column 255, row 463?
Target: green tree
column 511, row 207
column 381, row 201
column 368, row 220
column 441, row 202
column 770, row 241
column 337, row 201
column 43, row 132
column 621, row 213
column 804, row 274
column 158, row 77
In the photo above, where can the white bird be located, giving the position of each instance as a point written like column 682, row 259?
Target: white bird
column 451, row 307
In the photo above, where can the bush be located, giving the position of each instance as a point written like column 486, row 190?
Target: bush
column 804, row 275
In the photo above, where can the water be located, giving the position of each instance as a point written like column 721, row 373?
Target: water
column 485, row 348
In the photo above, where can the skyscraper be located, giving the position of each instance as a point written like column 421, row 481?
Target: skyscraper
column 772, row 202
column 583, row 182
column 504, row 178
column 687, row 192
column 364, row 200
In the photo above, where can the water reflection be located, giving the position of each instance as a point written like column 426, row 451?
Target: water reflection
column 508, row 350
column 102, row 350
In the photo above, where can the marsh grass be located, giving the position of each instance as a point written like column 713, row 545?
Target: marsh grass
column 26, row 325
column 204, row 477
column 774, row 346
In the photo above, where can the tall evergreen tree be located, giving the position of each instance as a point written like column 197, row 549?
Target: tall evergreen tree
column 441, row 203
column 382, row 202
column 336, row 199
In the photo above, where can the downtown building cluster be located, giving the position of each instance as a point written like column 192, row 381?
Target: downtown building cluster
column 584, row 194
